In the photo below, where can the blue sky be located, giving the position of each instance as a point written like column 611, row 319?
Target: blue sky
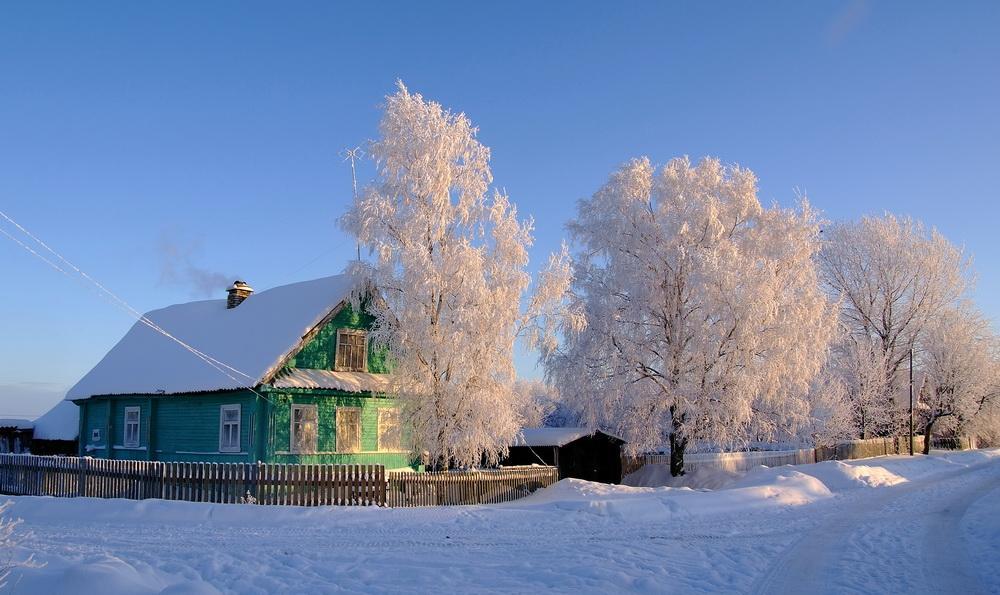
column 163, row 147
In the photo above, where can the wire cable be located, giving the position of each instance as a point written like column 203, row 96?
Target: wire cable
column 215, row 363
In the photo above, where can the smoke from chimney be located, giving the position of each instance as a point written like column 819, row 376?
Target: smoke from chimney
column 177, row 267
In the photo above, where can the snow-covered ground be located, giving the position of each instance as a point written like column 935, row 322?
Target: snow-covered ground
column 885, row 525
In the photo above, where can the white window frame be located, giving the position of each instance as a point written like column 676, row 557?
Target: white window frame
column 357, row 410
column 95, row 435
column 222, row 427
column 336, row 354
column 399, row 445
column 292, row 442
column 138, row 427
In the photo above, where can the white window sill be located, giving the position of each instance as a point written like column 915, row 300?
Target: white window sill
column 120, row 447
column 191, row 452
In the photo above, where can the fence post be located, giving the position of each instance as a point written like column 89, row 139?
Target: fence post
column 82, row 482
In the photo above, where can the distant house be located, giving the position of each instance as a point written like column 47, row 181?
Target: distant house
column 54, row 433
column 285, row 375
column 15, row 435
column 577, row 452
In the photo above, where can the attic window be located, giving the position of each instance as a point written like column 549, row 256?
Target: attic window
column 352, row 351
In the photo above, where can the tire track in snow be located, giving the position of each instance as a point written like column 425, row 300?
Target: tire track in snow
column 811, row 563
column 945, row 554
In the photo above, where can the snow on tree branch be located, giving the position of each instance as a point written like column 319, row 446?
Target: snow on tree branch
column 450, row 272
column 700, row 307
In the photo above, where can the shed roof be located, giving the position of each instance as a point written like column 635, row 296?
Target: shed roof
column 253, row 338
column 16, row 422
column 555, row 436
column 62, row 422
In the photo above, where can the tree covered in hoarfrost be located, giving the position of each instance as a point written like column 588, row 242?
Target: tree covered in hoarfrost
column 830, row 419
column 892, row 277
column 449, row 262
column 958, row 361
column 860, row 364
column 985, row 424
column 536, row 401
column 704, row 317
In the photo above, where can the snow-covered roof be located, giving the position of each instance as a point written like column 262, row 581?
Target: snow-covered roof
column 15, row 422
column 62, row 422
column 553, row 436
column 353, row 382
column 253, row 338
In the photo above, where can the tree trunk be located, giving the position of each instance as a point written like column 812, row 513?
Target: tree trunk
column 677, row 446
column 927, row 435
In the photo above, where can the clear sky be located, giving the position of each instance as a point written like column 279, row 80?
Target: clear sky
column 168, row 147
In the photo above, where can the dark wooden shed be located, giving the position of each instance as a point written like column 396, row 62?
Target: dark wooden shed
column 15, row 435
column 577, row 452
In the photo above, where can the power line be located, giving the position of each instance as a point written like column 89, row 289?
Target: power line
column 218, row 365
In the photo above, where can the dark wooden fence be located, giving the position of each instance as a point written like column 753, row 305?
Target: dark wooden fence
column 870, row 447
column 955, row 443
column 260, row 483
column 442, row 488
column 298, row 485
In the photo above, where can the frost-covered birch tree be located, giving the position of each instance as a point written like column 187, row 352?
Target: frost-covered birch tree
column 860, row 364
column 536, row 401
column 892, row 276
column 703, row 310
column 448, row 265
column 957, row 357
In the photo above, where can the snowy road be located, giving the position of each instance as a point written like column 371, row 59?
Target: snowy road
column 885, row 525
column 904, row 538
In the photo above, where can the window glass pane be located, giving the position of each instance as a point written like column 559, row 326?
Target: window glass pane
column 388, row 429
column 229, row 428
column 130, row 432
column 304, row 428
column 348, row 430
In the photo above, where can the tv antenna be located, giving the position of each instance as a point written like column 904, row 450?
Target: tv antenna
column 353, row 155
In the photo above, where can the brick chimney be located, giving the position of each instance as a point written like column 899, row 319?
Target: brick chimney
column 238, row 292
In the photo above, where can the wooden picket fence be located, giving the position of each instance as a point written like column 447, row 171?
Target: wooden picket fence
column 745, row 460
column 869, row 447
column 488, row 486
column 261, row 483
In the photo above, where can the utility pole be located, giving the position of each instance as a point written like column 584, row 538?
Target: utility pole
column 911, row 401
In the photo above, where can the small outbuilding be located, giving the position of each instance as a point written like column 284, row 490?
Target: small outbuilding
column 56, row 431
column 577, row 452
column 15, row 435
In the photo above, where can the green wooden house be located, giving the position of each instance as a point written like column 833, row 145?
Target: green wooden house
column 285, row 375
